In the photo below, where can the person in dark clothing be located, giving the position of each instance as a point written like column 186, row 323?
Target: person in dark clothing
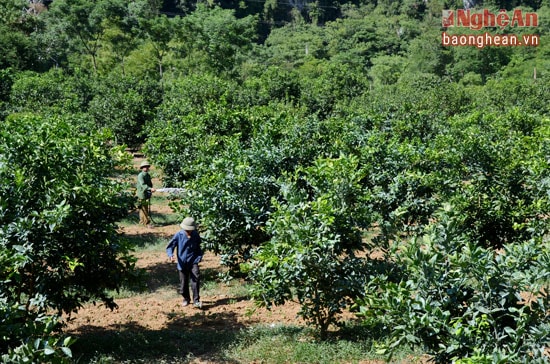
column 187, row 241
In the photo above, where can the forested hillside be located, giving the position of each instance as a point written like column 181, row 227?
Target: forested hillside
column 337, row 153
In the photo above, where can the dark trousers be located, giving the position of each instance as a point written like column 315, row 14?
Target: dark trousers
column 192, row 274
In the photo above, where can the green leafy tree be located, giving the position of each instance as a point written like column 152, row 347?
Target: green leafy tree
column 292, row 45
column 159, row 31
column 122, row 33
column 53, row 43
column 386, row 70
column 232, row 196
column 427, row 55
column 195, row 118
column 59, row 203
column 316, row 231
column 51, row 92
column 84, row 22
column 12, row 11
column 17, row 50
column 331, row 84
column 271, row 85
column 358, row 38
column 6, row 82
column 231, row 200
column 20, row 15
column 217, row 37
column 124, row 105
column 525, row 94
column 458, row 300
column 505, row 170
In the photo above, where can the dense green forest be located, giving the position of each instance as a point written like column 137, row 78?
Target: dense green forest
column 334, row 152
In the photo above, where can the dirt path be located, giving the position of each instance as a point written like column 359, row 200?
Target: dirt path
column 156, row 309
column 225, row 307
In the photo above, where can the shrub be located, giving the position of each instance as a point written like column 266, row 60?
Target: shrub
column 59, row 203
column 459, row 300
column 315, row 234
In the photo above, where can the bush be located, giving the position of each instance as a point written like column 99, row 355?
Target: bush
column 53, row 92
column 59, row 203
column 315, row 234
column 125, row 105
column 459, row 300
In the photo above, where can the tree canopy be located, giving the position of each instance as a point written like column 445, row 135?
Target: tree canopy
column 335, row 153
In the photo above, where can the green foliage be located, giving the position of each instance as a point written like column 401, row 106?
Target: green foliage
column 91, row 26
column 6, row 82
column 272, row 85
column 194, row 123
column 458, row 300
column 51, row 92
column 386, row 70
column 291, row 46
column 232, row 196
column 329, row 85
column 82, row 18
column 11, row 11
column 505, row 176
column 159, row 31
column 523, row 94
column 125, row 105
column 17, row 50
column 59, row 204
column 315, row 232
column 298, row 145
column 40, row 344
column 231, row 202
column 222, row 38
column 231, row 191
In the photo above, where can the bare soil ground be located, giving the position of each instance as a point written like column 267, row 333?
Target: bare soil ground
column 154, row 310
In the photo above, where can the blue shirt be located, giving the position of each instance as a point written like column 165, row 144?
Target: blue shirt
column 189, row 249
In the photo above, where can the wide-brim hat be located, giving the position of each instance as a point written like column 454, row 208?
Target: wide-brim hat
column 144, row 164
column 188, row 224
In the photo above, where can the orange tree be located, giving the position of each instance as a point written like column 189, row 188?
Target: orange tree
column 59, row 203
column 316, row 233
column 456, row 296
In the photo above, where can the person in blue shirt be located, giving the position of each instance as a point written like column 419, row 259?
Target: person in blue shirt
column 187, row 242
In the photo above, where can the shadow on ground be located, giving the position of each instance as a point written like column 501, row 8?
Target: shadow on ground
column 157, row 218
column 165, row 276
column 184, row 338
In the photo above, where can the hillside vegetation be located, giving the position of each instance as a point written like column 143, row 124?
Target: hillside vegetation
column 337, row 154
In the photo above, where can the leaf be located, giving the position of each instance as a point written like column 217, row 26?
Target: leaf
column 68, row 341
column 67, row 351
column 381, row 351
column 483, row 309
